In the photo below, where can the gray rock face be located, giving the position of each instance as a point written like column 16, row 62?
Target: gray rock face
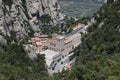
column 24, row 15
column 2, row 40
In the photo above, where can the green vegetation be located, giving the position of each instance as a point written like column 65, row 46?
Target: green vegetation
column 8, row 2
column 66, row 28
column 25, row 8
column 45, row 20
column 86, row 1
column 28, row 28
column 83, row 20
column 15, row 64
column 70, row 23
column 47, row 28
column 98, row 55
column 80, row 8
column 50, row 30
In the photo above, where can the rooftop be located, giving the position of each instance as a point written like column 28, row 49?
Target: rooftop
column 43, row 36
column 67, row 41
column 68, row 66
column 61, row 37
column 78, row 26
column 36, row 39
column 53, row 40
column 38, row 43
column 55, row 35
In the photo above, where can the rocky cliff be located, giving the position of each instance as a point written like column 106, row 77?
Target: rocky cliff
column 24, row 16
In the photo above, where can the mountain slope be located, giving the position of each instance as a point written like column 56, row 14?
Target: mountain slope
column 15, row 64
column 98, row 55
column 80, row 8
column 27, row 15
column 87, row 1
column 22, row 18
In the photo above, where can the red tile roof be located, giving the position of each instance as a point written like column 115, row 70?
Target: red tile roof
column 78, row 26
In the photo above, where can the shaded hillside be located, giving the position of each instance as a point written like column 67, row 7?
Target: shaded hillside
column 86, row 1
column 80, row 8
column 15, row 64
column 98, row 55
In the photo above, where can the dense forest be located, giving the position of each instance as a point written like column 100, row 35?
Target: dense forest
column 99, row 54
column 15, row 63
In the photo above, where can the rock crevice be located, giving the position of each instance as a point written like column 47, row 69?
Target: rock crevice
column 24, row 15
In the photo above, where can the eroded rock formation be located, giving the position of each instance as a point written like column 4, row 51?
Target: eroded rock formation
column 24, row 15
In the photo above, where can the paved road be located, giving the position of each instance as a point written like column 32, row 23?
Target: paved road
column 59, row 67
